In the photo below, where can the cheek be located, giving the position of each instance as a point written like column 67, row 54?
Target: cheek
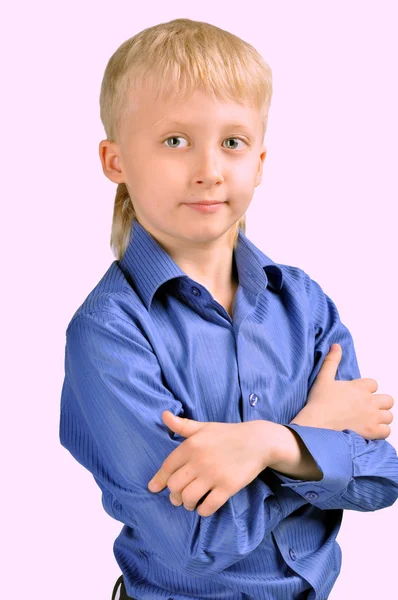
column 172, row 171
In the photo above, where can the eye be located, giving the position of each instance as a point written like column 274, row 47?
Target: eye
column 177, row 137
column 234, row 138
column 173, row 137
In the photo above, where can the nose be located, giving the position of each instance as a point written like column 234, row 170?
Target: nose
column 208, row 169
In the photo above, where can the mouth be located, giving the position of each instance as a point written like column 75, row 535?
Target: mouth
column 205, row 202
column 205, row 207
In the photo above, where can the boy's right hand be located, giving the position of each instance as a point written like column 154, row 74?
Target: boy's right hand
column 339, row 405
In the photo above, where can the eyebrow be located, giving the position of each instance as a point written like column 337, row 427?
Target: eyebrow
column 226, row 126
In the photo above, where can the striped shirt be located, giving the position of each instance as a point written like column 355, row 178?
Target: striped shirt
column 148, row 338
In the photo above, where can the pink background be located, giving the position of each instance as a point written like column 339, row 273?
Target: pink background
column 330, row 176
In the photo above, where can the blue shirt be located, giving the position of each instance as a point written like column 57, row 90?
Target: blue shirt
column 148, row 338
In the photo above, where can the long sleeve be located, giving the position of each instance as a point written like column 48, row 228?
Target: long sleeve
column 358, row 474
column 113, row 397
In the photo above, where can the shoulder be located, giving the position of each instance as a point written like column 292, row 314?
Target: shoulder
column 296, row 279
column 112, row 298
column 305, row 295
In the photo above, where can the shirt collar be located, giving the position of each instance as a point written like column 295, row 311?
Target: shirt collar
column 149, row 266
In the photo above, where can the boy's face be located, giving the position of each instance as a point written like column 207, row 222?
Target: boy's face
column 202, row 163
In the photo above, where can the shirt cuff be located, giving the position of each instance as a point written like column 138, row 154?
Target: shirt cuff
column 331, row 451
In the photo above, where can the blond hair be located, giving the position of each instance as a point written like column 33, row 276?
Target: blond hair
column 179, row 56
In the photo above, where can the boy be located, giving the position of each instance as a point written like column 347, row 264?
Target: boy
column 193, row 320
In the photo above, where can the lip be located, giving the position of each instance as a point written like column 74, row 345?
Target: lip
column 205, row 207
column 206, row 202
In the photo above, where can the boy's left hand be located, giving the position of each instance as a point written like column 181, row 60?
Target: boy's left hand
column 220, row 458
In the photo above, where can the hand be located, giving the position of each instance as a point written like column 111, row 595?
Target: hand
column 339, row 405
column 220, row 458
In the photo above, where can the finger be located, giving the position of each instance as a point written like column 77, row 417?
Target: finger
column 182, row 425
column 172, row 463
column 194, row 492
column 384, row 401
column 178, row 482
column 213, row 502
column 368, row 383
column 330, row 364
column 383, row 431
column 176, row 500
column 386, row 416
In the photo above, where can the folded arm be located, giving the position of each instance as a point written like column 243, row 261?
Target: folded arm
column 357, row 474
column 112, row 401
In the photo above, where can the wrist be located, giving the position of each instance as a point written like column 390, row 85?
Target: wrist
column 285, row 448
column 292, row 458
column 311, row 418
column 305, row 417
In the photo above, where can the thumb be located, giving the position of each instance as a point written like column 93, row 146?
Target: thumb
column 329, row 367
column 181, row 425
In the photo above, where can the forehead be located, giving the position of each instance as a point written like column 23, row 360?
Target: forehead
column 198, row 110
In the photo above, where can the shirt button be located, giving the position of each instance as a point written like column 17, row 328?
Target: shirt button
column 195, row 291
column 292, row 554
column 253, row 399
column 311, row 495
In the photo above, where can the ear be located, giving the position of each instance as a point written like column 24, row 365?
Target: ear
column 259, row 174
column 110, row 160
